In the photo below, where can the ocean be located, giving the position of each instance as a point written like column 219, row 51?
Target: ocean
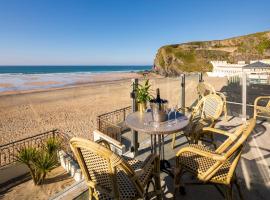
column 16, row 78
column 70, row 69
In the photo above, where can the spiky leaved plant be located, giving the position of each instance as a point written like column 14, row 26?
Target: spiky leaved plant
column 26, row 156
column 52, row 145
column 40, row 161
column 44, row 162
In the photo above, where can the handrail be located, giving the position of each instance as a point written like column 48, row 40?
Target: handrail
column 34, row 136
column 8, row 151
column 236, row 103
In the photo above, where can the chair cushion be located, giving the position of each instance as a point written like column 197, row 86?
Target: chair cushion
column 141, row 165
column 198, row 165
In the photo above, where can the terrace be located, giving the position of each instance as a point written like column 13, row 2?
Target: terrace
column 253, row 167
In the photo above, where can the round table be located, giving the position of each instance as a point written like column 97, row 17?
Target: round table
column 143, row 122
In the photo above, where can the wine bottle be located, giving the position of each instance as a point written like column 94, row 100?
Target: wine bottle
column 158, row 99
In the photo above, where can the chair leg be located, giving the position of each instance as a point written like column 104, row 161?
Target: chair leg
column 90, row 194
column 173, row 140
column 229, row 192
column 213, row 141
column 225, row 112
column 238, row 188
column 177, row 181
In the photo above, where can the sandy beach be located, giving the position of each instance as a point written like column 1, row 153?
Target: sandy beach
column 57, row 180
column 73, row 109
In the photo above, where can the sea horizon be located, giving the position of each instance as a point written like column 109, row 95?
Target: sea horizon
column 18, row 78
column 49, row 69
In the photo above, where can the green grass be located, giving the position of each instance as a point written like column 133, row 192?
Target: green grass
column 186, row 56
column 263, row 45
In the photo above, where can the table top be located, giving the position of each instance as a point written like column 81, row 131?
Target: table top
column 143, row 122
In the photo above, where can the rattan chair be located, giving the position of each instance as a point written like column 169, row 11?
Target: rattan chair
column 204, row 114
column 262, row 110
column 204, row 89
column 214, row 167
column 110, row 176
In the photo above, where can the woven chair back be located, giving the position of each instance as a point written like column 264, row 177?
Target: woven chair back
column 212, row 107
column 100, row 166
column 204, row 89
column 237, row 139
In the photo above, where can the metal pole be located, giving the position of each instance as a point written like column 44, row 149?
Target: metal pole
column 244, row 96
column 183, row 93
column 135, row 144
column 200, row 77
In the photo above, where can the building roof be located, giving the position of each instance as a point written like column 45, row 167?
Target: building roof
column 257, row 65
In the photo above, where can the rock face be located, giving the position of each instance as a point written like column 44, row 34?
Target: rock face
column 174, row 59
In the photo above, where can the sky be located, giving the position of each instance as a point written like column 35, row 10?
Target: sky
column 117, row 32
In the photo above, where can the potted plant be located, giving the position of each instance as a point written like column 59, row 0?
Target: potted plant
column 143, row 95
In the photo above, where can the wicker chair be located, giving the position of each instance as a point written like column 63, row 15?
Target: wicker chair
column 204, row 114
column 214, row 167
column 204, row 89
column 110, row 176
column 262, row 110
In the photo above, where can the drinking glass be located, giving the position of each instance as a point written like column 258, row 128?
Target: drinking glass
column 169, row 112
column 175, row 107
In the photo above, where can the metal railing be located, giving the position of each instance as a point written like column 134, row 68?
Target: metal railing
column 112, row 123
column 9, row 151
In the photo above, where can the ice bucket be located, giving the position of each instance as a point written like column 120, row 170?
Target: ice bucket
column 159, row 111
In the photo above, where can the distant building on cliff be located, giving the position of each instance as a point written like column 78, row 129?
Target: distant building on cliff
column 257, row 70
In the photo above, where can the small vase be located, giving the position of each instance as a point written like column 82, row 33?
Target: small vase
column 142, row 107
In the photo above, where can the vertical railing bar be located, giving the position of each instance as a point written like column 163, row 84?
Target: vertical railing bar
column 244, row 96
column 134, row 147
column 183, row 92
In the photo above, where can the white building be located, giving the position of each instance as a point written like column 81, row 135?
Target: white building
column 225, row 69
column 258, row 71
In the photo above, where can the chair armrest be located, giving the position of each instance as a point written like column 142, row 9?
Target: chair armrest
column 221, row 94
column 214, row 130
column 213, row 156
column 259, row 98
column 189, row 109
column 104, row 143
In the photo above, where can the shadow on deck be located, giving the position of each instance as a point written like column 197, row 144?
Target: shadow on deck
column 253, row 170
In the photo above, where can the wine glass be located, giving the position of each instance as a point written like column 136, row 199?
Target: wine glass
column 175, row 108
column 169, row 112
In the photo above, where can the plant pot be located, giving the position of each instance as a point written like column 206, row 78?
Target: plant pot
column 142, row 107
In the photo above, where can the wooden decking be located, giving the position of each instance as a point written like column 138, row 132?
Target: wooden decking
column 253, row 169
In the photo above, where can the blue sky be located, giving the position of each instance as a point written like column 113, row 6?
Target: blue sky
column 96, row 32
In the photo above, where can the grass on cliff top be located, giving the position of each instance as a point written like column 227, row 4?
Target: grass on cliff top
column 263, row 45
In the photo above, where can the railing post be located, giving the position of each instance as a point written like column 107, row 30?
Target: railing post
column 244, row 96
column 183, row 92
column 135, row 144
column 200, row 77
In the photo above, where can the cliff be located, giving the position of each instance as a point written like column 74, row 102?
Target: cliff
column 174, row 59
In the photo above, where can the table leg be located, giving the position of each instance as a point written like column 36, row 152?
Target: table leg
column 165, row 166
column 152, row 147
column 155, row 144
column 159, row 146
